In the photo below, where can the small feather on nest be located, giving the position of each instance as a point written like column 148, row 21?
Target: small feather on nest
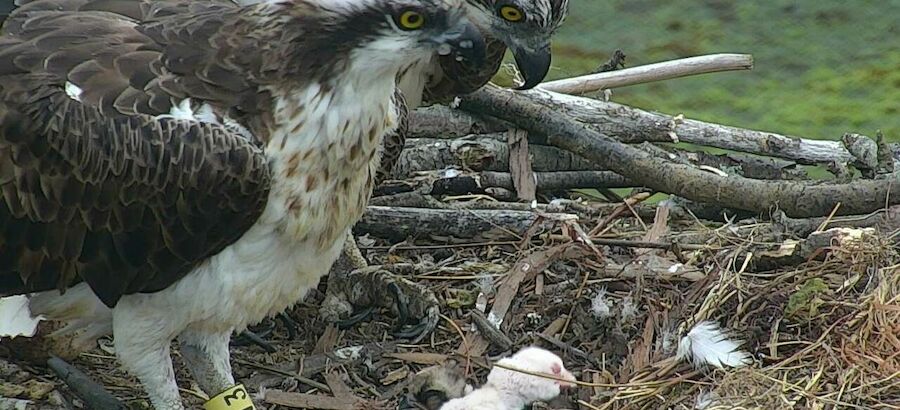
column 706, row 343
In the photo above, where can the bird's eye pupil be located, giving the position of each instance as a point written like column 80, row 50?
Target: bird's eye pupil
column 411, row 20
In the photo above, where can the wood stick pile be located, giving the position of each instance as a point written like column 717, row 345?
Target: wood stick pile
column 536, row 218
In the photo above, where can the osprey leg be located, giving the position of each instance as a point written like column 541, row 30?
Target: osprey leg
column 143, row 349
column 353, row 283
column 208, row 358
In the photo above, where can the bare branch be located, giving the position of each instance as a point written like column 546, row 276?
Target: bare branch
column 650, row 73
column 538, row 111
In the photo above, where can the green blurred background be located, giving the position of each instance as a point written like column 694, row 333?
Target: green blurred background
column 822, row 67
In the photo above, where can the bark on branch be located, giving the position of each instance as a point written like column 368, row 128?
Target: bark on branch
column 397, row 224
column 482, row 152
column 540, row 111
column 632, row 125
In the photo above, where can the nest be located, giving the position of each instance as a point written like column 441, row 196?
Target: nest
column 818, row 316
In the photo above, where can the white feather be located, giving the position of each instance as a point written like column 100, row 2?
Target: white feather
column 629, row 309
column 600, row 306
column 706, row 343
column 73, row 91
column 706, row 400
column 15, row 317
column 180, row 111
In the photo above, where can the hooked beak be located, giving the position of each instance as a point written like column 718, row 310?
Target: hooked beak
column 463, row 43
column 533, row 64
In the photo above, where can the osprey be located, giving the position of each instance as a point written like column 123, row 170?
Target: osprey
column 523, row 26
column 190, row 173
column 512, row 390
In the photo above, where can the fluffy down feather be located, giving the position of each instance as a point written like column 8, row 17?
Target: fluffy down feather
column 706, row 343
column 511, row 390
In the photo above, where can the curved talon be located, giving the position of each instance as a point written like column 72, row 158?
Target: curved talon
column 289, row 324
column 415, row 333
column 402, row 303
column 247, row 337
column 358, row 317
column 411, row 332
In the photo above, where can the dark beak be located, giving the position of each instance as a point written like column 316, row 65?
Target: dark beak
column 533, row 64
column 467, row 43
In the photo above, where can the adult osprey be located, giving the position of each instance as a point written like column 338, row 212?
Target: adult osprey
column 190, row 173
column 523, row 26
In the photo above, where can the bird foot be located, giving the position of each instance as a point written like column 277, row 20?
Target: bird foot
column 256, row 334
column 416, row 307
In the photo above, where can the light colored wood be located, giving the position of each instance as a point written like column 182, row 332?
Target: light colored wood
column 309, row 401
column 650, row 73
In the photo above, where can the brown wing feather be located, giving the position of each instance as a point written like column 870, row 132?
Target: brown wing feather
column 126, row 204
column 138, row 57
column 463, row 77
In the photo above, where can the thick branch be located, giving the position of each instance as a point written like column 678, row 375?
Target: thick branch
column 559, row 169
column 537, row 111
column 650, row 73
column 632, row 125
column 439, row 121
column 93, row 394
column 400, row 223
column 487, row 152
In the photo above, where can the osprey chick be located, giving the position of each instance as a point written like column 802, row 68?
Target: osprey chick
column 511, row 390
column 188, row 174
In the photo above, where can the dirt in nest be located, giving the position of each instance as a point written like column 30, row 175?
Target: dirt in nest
column 616, row 314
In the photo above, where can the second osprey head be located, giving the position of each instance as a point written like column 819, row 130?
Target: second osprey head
column 404, row 30
column 525, row 26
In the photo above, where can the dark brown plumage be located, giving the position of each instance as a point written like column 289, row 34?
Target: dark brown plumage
column 528, row 39
column 99, row 186
column 75, row 186
column 183, row 169
column 132, row 60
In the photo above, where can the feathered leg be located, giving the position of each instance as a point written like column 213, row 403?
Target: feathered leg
column 208, row 358
column 142, row 344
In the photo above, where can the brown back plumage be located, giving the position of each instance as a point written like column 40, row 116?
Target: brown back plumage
column 101, row 191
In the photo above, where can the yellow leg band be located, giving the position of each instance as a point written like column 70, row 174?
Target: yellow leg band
column 235, row 398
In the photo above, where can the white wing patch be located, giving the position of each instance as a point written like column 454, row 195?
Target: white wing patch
column 180, row 111
column 184, row 110
column 15, row 317
column 73, row 91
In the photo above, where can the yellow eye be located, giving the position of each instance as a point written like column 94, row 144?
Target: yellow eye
column 411, row 20
column 511, row 13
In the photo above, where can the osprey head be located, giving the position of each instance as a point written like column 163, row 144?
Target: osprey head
column 525, row 26
column 528, row 387
column 408, row 30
